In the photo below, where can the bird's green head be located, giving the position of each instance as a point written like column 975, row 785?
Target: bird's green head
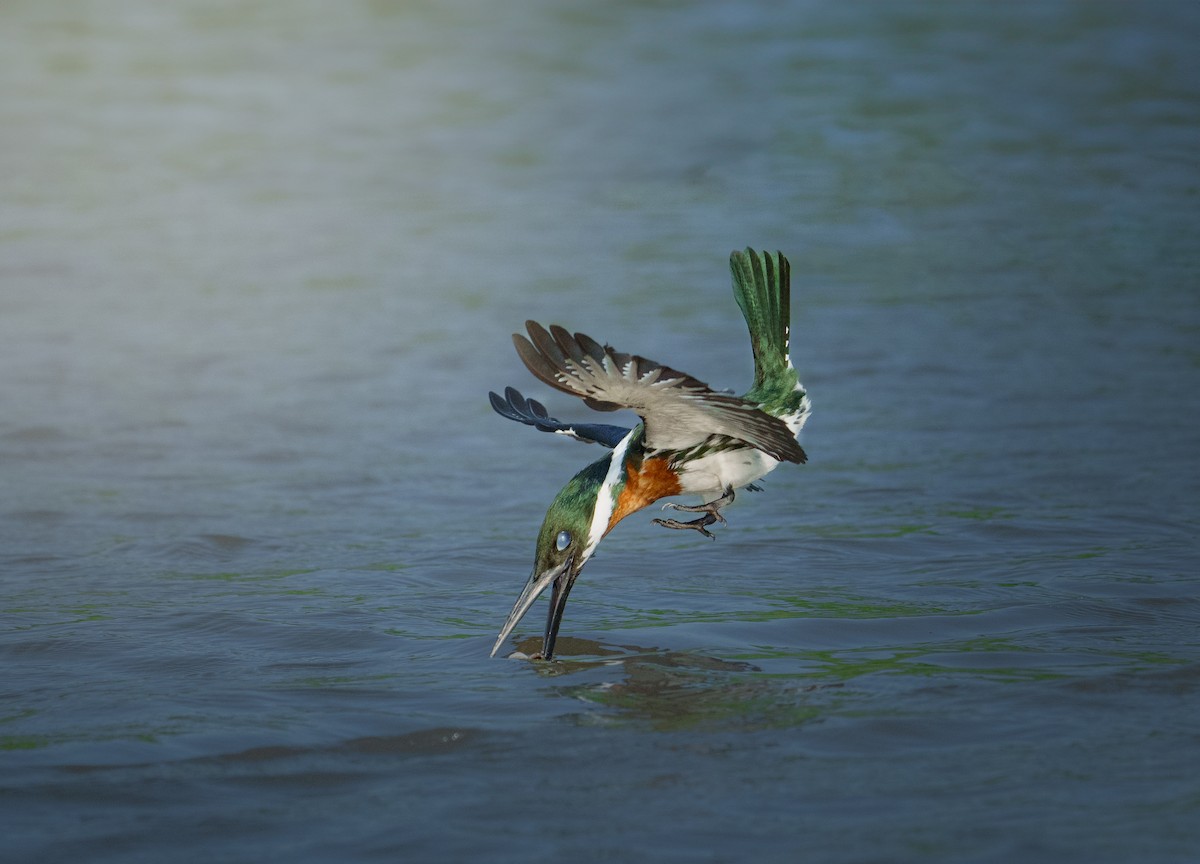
column 564, row 544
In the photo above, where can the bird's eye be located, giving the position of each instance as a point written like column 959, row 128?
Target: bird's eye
column 563, row 541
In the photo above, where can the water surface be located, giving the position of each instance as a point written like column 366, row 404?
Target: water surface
column 259, row 527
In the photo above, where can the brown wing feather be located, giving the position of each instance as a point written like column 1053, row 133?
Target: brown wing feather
column 678, row 410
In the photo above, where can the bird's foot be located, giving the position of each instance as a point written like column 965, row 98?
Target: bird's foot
column 700, row 524
column 711, row 511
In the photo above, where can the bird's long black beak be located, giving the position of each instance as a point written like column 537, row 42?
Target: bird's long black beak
column 562, row 578
column 559, row 590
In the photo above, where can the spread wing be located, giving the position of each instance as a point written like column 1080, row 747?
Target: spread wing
column 514, row 406
column 678, row 411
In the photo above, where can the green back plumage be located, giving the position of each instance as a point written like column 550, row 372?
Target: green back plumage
column 762, row 288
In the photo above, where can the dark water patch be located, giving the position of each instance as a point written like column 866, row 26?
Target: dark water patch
column 35, row 434
column 207, row 547
column 419, row 742
column 39, row 517
column 1179, row 678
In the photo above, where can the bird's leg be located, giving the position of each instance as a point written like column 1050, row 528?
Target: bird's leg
column 711, row 507
column 711, row 511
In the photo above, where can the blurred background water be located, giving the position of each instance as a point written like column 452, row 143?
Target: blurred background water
column 259, row 266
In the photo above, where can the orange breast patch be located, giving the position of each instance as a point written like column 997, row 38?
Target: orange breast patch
column 643, row 486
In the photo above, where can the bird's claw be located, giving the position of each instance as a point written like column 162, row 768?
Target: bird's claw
column 700, row 524
column 711, row 511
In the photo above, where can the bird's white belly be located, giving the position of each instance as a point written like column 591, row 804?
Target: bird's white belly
column 715, row 472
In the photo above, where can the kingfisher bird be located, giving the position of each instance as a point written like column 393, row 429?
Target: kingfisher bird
column 692, row 440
